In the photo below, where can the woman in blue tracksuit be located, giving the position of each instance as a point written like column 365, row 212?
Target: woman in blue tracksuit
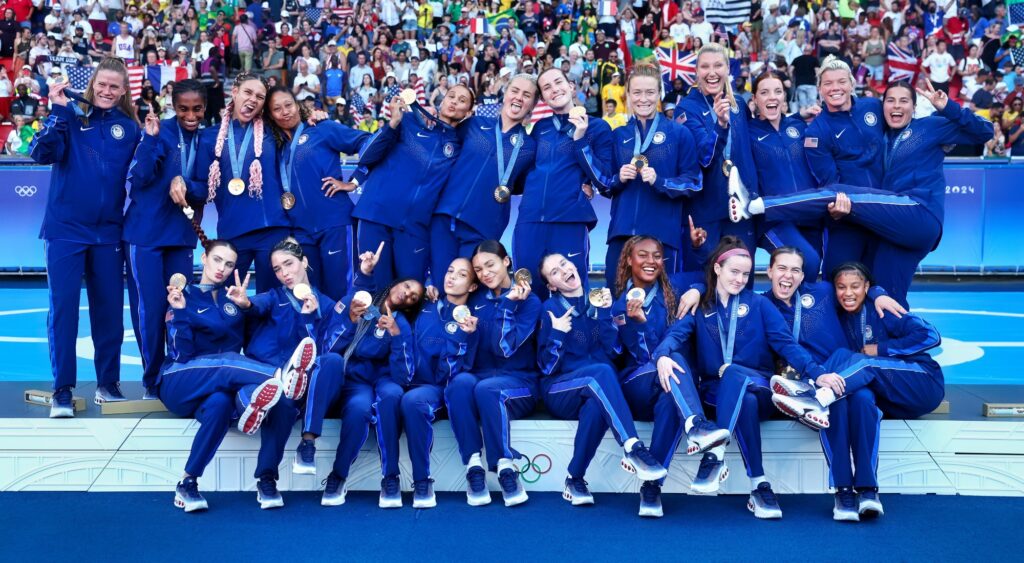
column 642, row 322
column 410, row 160
column 473, row 206
column 906, row 214
column 369, row 355
column 444, row 348
column 811, row 311
column 501, row 383
column 735, row 331
column 310, row 171
column 777, row 142
column 719, row 124
column 159, row 239
column 577, row 344
column 90, row 146
column 649, row 200
column 555, row 214
column 237, row 170
column 887, row 355
column 205, row 377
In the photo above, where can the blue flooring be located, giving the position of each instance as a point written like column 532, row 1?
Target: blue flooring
column 983, row 334
column 36, row 527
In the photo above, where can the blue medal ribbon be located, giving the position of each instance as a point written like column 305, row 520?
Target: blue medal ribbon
column 638, row 147
column 730, row 344
column 565, row 303
column 798, row 311
column 286, row 163
column 187, row 164
column 728, row 134
column 237, row 158
column 505, row 170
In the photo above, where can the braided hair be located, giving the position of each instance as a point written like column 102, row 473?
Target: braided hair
column 255, row 168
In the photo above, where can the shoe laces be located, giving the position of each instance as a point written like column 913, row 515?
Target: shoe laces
column 390, row 485
column 579, row 485
column 847, row 498
column 764, row 490
column 706, row 425
column 267, row 485
column 191, row 486
column 509, row 480
column 477, row 478
column 113, row 389
column 707, row 464
column 62, row 395
column 307, row 451
column 332, row 483
column 641, row 452
column 650, row 491
column 421, row 487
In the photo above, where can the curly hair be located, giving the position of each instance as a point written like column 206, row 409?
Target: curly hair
column 624, row 273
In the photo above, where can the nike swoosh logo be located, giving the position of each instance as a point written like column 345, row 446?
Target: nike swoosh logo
column 705, row 114
column 840, row 134
column 478, row 307
column 706, row 315
column 86, row 128
column 487, row 128
column 283, row 304
column 332, row 252
column 573, row 254
column 201, row 311
column 627, row 141
column 763, row 137
column 418, row 250
column 421, row 135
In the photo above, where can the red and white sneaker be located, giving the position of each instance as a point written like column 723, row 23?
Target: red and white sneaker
column 260, row 401
column 806, row 410
column 295, row 374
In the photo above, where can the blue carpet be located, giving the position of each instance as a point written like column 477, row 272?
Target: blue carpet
column 146, row 527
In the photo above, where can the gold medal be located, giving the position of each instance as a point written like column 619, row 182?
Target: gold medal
column 363, row 297
column 460, row 313
column 639, row 161
column 637, row 293
column 502, row 194
column 726, row 167
column 236, row 186
column 522, row 275
column 287, row 200
column 598, row 298
column 178, row 281
column 301, row 291
column 577, row 111
column 408, row 96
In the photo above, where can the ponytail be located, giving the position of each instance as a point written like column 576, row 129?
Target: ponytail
column 727, row 245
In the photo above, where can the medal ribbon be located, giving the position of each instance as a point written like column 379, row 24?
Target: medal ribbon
column 237, row 158
column 730, row 344
column 639, row 148
column 286, row 163
column 797, row 314
column 187, row 165
column 505, row 170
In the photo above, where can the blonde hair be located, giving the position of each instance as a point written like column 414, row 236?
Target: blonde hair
column 255, row 168
column 831, row 62
column 125, row 104
column 716, row 49
column 644, row 70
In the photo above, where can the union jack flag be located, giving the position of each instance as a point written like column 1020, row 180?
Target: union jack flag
column 677, row 65
column 903, row 65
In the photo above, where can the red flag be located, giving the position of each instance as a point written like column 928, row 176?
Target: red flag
column 627, row 58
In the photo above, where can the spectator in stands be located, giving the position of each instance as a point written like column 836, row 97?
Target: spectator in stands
column 6, row 87
column 996, row 146
column 940, row 66
column 804, row 71
column 9, row 28
column 612, row 115
column 15, row 144
column 984, row 98
column 244, row 40
column 27, row 80
column 306, row 85
column 24, row 103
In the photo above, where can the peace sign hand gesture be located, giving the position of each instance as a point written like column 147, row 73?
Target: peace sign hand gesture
column 238, row 293
column 938, row 98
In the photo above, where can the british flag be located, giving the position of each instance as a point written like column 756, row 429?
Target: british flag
column 677, row 65
column 903, row 65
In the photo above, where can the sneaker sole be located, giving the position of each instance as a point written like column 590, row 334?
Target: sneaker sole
column 651, row 513
column 180, row 503
column 643, row 475
column 871, row 512
column 389, row 503
column 428, row 503
column 478, row 500
column 693, row 448
column 845, row 516
column 801, row 417
column 714, row 485
column 735, row 213
column 577, row 501
column 517, row 499
column 781, row 388
column 62, row 413
column 333, row 502
column 267, row 504
column 295, row 378
column 762, row 513
column 303, row 469
column 265, row 397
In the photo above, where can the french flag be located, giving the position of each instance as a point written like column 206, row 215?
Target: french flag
column 478, row 25
column 159, row 75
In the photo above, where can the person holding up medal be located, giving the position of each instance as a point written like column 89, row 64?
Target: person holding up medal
column 643, row 312
column 314, row 194
column 409, row 160
column 204, row 376
column 501, row 382
column 369, row 355
column 655, row 173
column 735, row 332
column 237, row 170
column 811, row 311
column 90, row 145
column 555, row 214
column 577, row 344
column 718, row 123
column 158, row 234
column 474, row 206
column 446, row 341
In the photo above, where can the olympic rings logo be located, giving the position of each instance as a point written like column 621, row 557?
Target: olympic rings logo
column 531, row 466
column 25, row 191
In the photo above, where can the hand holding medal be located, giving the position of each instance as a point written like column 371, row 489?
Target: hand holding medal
column 635, row 304
column 175, row 295
column 360, row 303
column 304, row 293
column 600, row 297
column 521, row 285
column 464, row 317
column 578, row 117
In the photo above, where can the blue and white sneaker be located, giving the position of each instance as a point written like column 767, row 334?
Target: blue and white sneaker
column 62, row 404
column 390, row 492
column 869, row 504
column 845, row 508
column 151, row 394
column 334, row 490
column 267, row 493
column 295, row 373
column 710, row 474
column 305, row 458
column 577, row 492
column 423, row 494
column 763, row 502
column 640, row 461
column 805, row 408
column 791, row 387
column 108, row 394
column 257, row 401
column 650, row 500
column 512, row 490
column 476, row 487
column 187, row 497
column 705, row 435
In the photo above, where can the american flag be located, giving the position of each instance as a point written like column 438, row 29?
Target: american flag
column 677, row 65
column 540, row 111
column 1017, row 54
column 78, row 76
column 355, row 108
column 389, row 92
column 313, row 14
column 488, row 110
column 1016, row 9
column 136, row 74
column 903, row 65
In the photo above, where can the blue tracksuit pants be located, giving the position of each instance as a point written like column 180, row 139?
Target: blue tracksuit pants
column 330, row 261
column 742, row 400
column 489, row 403
column 419, row 407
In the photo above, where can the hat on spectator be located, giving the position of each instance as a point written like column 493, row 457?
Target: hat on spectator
column 266, row 6
column 390, row 75
column 182, row 49
column 670, row 106
column 505, row 71
column 341, row 101
column 55, row 70
column 162, row 48
column 26, row 67
column 56, row 8
column 332, row 43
